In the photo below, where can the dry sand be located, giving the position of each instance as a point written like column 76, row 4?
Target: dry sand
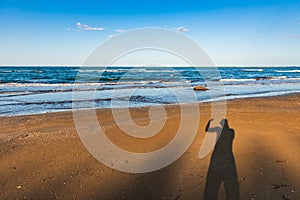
column 41, row 156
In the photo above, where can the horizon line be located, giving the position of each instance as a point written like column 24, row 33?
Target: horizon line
column 149, row 66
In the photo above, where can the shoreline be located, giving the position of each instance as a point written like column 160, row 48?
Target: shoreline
column 27, row 91
column 41, row 156
column 138, row 107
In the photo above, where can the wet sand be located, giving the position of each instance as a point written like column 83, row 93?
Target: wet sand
column 41, row 156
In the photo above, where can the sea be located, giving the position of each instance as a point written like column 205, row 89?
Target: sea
column 35, row 90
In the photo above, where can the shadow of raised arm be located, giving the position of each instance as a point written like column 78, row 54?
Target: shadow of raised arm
column 212, row 129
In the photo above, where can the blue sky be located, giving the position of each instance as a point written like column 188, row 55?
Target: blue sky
column 235, row 32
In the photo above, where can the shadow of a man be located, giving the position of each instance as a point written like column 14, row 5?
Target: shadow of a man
column 222, row 165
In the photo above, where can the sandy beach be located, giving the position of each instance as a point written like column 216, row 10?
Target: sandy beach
column 42, row 157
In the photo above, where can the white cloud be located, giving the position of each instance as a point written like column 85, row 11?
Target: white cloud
column 182, row 29
column 73, row 29
column 88, row 28
column 120, row 30
column 292, row 37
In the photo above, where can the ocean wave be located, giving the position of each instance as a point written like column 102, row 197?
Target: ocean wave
column 293, row 79
column 6, row 71
column 271, row 78
column 160, row 71
column 22, row 70
column 91, row 70
column 279, row 77
column 139, row 70
column 253, row 70
column 288, row 71
column 112, row 70
column 135, row 82
column 237, row 80
column 267, row 78
column 48, row 84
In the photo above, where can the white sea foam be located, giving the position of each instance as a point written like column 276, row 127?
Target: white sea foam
column 91, row 70
column 48, row 84
column 253, row 70
column 288, row 71
column 278, row 78
column 237, row 80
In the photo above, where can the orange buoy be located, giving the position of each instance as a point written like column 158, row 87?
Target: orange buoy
column 200, row 88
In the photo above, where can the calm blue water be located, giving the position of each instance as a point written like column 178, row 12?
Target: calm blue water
column 29, row 90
